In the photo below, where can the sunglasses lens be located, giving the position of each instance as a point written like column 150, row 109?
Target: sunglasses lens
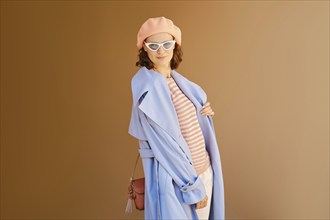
column 168, row 45
column 153, row 46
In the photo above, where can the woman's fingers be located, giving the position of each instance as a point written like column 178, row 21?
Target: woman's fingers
column 207, row 110
column 206, row 105
column 202, row 203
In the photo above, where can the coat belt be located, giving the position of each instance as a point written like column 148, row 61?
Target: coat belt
column 146, row 153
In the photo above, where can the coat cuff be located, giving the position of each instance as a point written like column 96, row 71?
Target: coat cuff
column 193, row 192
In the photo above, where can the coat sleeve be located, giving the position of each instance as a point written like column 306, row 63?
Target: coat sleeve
column 172, row 158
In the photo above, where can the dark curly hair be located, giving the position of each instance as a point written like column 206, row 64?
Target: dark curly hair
column 175, row 61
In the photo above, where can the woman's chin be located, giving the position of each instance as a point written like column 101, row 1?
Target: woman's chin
column 162, row 62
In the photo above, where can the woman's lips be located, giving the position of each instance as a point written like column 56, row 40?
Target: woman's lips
column 161, row 57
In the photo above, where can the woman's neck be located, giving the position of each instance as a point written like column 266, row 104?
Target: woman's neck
column 166, row 71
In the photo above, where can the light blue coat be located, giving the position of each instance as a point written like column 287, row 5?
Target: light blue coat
column 172, row 186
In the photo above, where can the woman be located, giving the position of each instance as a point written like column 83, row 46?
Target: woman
column 172, row 121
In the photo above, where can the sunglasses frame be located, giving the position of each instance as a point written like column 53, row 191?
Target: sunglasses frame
column 159, row 45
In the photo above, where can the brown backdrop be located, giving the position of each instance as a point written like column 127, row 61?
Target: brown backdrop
column 66, row 69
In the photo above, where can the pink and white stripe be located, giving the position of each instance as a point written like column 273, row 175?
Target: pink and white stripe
column 190, row 128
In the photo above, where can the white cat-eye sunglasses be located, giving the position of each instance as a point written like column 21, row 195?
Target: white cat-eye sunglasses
column 167, row 45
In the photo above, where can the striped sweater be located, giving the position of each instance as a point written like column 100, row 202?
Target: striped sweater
column 190, row 128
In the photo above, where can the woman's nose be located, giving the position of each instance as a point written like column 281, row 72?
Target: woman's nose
column 160, row 49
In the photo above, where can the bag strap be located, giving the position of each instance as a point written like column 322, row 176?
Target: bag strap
column 137, row 159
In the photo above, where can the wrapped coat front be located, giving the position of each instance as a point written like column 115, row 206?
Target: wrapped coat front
column 172, row 184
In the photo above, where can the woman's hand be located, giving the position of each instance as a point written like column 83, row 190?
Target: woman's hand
column 202, row 203
column 207, row 110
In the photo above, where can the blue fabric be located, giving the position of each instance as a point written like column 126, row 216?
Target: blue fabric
column 172, row 184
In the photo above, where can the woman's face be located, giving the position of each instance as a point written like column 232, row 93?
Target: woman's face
column 161, row 52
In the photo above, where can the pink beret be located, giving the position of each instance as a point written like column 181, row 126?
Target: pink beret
column 156, row 25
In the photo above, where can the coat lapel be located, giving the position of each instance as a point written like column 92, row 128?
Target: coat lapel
column 157, row 103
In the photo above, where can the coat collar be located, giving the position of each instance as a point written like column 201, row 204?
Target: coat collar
column 157, row 103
